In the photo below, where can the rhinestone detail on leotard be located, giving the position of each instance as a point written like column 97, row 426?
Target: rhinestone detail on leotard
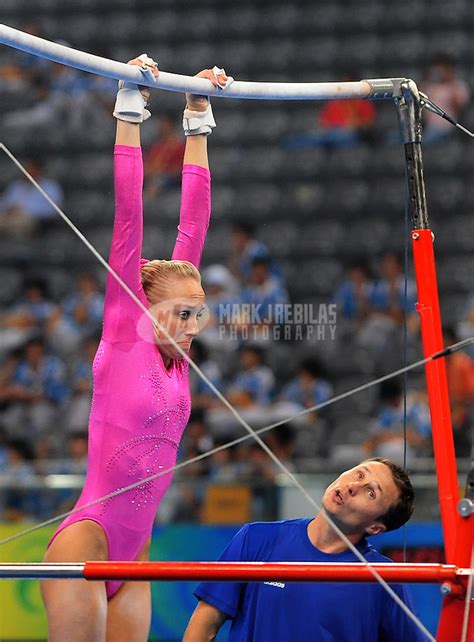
column 154, row 378
column 141, row 465
column 95, row 365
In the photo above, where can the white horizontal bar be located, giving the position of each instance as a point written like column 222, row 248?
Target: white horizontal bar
column 379, row 88
column 44, row 571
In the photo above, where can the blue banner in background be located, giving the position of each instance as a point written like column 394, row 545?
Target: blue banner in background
column 173, row 602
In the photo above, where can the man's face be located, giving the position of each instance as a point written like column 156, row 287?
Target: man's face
column 358, row 497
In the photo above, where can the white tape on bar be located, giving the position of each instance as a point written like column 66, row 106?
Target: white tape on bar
column 175, row 82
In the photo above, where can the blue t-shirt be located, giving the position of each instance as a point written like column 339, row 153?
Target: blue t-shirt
column 302, row 611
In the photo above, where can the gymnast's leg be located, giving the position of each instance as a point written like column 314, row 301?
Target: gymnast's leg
column 129, row 612
column 76, row 609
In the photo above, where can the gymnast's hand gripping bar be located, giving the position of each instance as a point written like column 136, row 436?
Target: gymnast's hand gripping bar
column 375, row 89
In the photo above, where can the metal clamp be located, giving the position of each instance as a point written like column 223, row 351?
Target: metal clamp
column 465, row 507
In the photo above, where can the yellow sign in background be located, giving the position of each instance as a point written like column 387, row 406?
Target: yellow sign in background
column 22, row 615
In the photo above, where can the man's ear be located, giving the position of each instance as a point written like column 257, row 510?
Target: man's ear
column 377, row 528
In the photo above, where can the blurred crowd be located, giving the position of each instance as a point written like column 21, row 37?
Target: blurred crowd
column 47, row 344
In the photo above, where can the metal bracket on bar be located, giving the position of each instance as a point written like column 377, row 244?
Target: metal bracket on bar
column 409, row 111
column 384, row 88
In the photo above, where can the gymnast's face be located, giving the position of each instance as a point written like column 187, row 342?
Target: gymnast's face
column 182, row 312
column 358, row 497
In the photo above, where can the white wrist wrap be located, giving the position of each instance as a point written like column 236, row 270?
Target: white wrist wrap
column 198, row 122
column 130, row 104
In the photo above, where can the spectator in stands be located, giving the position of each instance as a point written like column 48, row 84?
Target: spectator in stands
column 81, row 316
column 62, row 94
column 223, row 465
column 83, row 308
column 84, row 100
column 388, row 294
column 68, row 80
column 44, row 455
column 202, row 395
column 221, row 297
column 196, row 440
column 465, row 328
column 19, row 501
column 3, row 448
column 44, row 107
column 387, row 429
column 261, row 471
column 246, row 248
column 260, row 468
column 447, row 91
column 17, row 67
column 253, row 385
column 281, row 440
column 308, row 388
column 381, row 329
column 260, row 299
column 263, row 288
column 23, row 209
column 35, row 392
column 339, row 123
column 7, row 370
column 75, row 462
column 249, row 390
column 78, row 407
column 354, row 293
column 344, row 122
column 163, row 160
column 102, row 90
column 33, row 313
column 460, row 374
column 187, row 505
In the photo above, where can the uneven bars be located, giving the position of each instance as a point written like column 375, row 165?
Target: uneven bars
column 236, row 571
column 374, row 89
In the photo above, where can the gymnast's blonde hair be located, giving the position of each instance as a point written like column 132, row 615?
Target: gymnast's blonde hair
column 156, row 276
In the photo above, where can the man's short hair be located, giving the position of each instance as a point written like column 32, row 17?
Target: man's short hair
column 400, row 511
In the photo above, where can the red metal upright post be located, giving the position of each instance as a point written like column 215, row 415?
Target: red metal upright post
column 432, row 338
column 457, row 530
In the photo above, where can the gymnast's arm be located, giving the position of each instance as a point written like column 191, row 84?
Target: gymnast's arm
column 196, row 186
column 120, row 311
column 204, row 624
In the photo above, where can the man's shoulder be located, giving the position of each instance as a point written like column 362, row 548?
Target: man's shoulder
column 275, row 528
column 266, row 541
column 371, row 554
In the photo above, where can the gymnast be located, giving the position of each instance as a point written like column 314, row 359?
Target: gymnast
column 141, row 398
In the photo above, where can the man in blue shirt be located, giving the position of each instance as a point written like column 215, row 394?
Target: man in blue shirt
column 369, row 499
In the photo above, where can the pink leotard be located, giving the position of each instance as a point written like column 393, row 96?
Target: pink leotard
column 139, row 408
